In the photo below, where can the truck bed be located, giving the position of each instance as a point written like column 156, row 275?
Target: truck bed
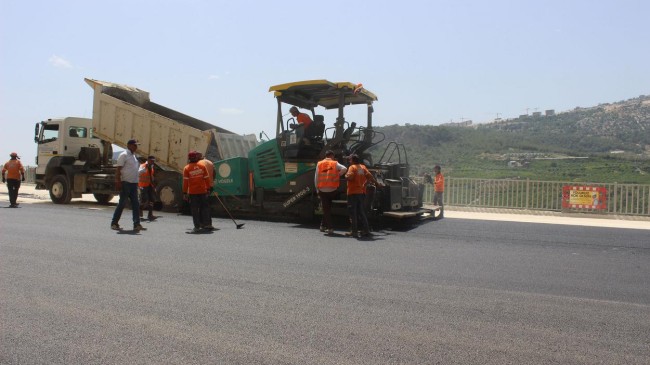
column 122, row 112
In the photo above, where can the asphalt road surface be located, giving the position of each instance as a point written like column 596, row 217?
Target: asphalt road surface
column 454, row 291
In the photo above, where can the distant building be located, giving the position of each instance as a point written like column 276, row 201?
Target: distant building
column 467, row 123
column 550, row 112
column 537, row 114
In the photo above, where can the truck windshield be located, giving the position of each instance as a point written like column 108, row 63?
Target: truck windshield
column 50, row 133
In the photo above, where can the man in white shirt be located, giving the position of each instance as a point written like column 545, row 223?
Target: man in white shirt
column 126, row 182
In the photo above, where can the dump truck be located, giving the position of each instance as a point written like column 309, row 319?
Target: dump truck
column 75, row 155
column 268, row 179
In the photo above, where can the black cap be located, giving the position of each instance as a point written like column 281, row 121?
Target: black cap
column 132, row 141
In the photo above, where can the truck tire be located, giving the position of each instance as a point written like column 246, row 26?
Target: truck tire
column 103, row 198
column 60, row 192
column 170, row 195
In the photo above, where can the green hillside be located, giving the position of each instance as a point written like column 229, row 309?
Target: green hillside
column 606, row 143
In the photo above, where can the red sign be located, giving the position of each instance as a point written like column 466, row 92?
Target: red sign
column 584, row 197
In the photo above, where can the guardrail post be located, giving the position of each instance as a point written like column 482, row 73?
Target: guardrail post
column 615, row 198
column 527, row 191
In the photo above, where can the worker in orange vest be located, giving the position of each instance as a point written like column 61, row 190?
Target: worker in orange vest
column 327, row 179
column 147, row 187
column 196, row 185
column 357, row 177
column 304, row 122
column 438, row 189
column 14, row 170
column 208, row 166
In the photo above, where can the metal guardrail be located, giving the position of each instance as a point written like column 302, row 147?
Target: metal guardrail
column 622, row 199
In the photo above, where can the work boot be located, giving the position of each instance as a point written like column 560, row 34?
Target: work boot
column 196, row 229
column 354, row 234
column 330, row 231
column 322, row 228
column 115, row 226
column 152, row 217
column 366, row 234
column 209, row 228
column 138, row 228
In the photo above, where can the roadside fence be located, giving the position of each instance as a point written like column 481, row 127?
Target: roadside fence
column 619, row 199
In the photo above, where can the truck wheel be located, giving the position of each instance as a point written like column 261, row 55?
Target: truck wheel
column 60, row 190
column 103, row 198
column 171, row 197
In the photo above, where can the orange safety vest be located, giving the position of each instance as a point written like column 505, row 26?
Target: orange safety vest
column 195, row 179
column 145, row 176
column 210, row 167
column 357, row 184
column 328, row 175
column 439, row 183
column 13, row 168
column 304, row 119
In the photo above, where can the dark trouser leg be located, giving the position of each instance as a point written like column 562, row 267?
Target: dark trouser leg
column 151, row 197
column 195, row 208
column 326, row 201
column 352, row 211
column 147, row 195
column 437, row 200
column 359, row 201
column 361, row 210
column 206, row 218
column 135, row 204
column 124, row 195
column 143, row 200
column 13, row 185
column 355, row 209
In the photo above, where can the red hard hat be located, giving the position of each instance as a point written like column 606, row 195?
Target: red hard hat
column 193, row 155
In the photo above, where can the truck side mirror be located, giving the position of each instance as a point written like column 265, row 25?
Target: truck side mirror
column 36, row 133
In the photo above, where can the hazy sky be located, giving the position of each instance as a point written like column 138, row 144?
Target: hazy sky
column 429, row 62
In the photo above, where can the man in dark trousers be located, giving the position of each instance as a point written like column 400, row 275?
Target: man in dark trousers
column 357, row 177
column 126, row 182
column 327, row 179
column 15, row 173
column 196, row 184
column 147, row 187
column 438, row 190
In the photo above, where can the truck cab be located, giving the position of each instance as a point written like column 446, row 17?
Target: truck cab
column 68, row 153
column 63, row 137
